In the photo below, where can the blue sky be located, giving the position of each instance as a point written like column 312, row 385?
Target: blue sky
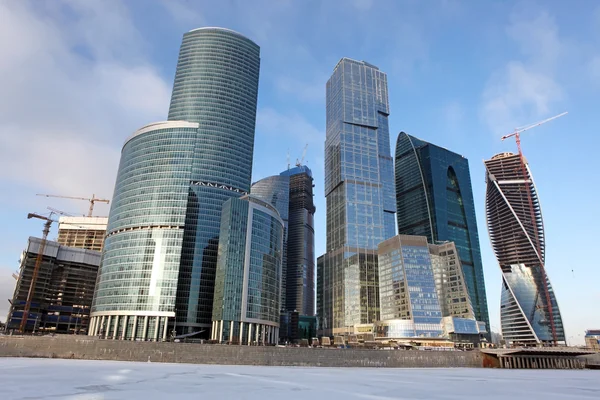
column 76, row 78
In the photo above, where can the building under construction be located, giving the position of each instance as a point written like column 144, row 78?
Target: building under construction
column 82, row 232
column 529, row 313
column 63, row 291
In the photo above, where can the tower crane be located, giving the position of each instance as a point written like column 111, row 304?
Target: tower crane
column 301, row 160
column 517, row 135
column 92, row 200
column 37, row 265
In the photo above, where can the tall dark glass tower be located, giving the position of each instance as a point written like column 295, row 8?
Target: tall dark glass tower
column 359, row 190
column 529, row 313
column 291, row 193
column 160, row 254
column 300, row 282
column 434, row 198
column 216, row 86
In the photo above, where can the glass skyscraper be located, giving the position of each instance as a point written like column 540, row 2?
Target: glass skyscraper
column 359, row 194
column 248, row 279
column 216, row 86
column 275, row 190
column 529, row 313
column 434, row 198
column 160, row 253
column 291, row 192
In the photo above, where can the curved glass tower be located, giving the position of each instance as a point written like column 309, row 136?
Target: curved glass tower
column 216, row 86
column 434, row 198
column 137, row 281
column 529, row 312
column 275, row 190
column 248, row 279
column 160, row 253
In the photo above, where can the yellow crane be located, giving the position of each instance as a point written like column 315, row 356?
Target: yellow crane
column 36, row 268
column 92, row 200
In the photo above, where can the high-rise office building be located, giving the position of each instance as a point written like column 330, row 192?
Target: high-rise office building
column 248, row 279
column 434, row 198
column 359, row 191
column 82, row 232
column 275, row 190
column 62, row 294
column 291, row 193
column 529, row 311
column 300, row 270
column 160, row 253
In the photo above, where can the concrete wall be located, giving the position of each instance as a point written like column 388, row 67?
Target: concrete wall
column 84, row 347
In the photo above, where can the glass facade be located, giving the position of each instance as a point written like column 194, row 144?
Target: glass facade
column 359, row 195
column 246, row 304
column 450, row 281
column 407, row 288
column 141, row 258
column 434, row 198
column 275, row 190
column 216, row 86
column 529, row 312
column 300, row 281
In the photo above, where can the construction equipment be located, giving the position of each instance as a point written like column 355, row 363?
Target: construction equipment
column 54, row 210
column 92, row 200
column 517, row 136
column 301, row 160
column 36, row 268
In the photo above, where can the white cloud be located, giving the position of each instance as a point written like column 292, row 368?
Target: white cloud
column 529, row 88
column 70, row 95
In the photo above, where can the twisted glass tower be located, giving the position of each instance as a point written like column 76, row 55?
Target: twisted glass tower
column 160, row 254
column 434, row 198
column 529, row 313
column 359, row 191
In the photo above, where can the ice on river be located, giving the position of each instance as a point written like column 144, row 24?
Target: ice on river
column 22, row 378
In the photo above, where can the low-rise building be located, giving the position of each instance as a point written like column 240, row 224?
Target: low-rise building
column 592, row 339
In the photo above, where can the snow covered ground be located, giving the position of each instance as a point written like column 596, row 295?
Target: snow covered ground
column 85, row 380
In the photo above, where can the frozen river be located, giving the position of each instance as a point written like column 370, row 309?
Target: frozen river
column 86, row 380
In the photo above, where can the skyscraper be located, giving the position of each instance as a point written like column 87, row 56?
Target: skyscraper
column 300, row 270
column 163, row 232
column 216, row 86
column 529, row 311
column 434, row 198
column 359, row 194
column 248, row 279
column 291, row 192
column 275, row 190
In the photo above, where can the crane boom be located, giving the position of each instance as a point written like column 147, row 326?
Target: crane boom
column 301, row 160
column 36, row 268
column 527, row 127
column 92, row 200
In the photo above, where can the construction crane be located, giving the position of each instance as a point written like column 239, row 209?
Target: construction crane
column 301, row 160
column 517, row 135
column 92, row 200
column 54, row 210
column 36, row 268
